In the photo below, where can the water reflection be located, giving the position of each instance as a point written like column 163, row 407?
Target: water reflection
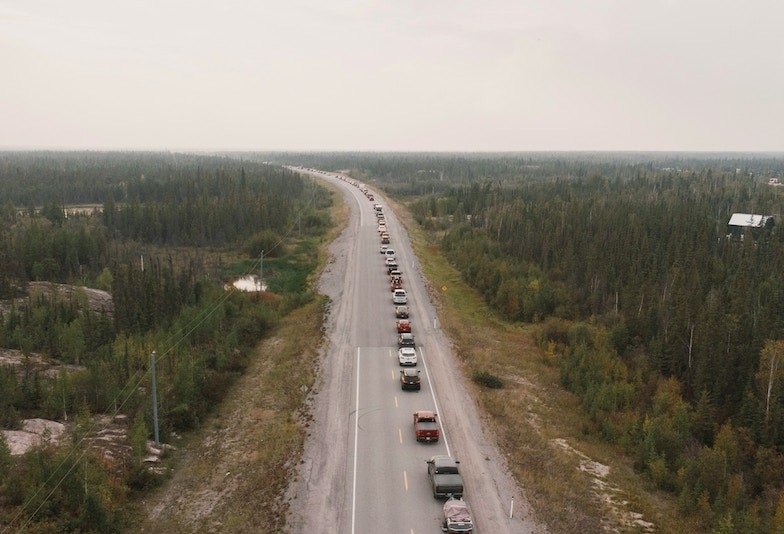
column 250, row 282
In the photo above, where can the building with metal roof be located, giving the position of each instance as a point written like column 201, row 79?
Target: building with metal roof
column 750, row 220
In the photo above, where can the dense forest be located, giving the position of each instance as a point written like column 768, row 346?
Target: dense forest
column 162, row 234
column 666, row 322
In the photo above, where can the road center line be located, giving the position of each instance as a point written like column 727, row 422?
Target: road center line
column 405, row 479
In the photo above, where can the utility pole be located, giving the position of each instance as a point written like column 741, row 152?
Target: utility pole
column 261, row 270
column 154, row 398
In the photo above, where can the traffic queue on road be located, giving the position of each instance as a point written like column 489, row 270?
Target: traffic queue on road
column 456, row 515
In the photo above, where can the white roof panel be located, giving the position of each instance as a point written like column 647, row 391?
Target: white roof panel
column 748, row 219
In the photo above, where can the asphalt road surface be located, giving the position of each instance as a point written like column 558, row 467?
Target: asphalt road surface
column 363, row 470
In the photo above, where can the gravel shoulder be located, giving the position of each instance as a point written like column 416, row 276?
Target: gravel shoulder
column 317, row 494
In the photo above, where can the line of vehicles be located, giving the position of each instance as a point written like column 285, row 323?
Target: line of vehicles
column 443, row 471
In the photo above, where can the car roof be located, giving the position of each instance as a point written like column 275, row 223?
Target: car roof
column 410, row 372
column 442, row 459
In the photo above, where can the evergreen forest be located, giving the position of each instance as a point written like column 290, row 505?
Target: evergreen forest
column 666, row 322
column 162, row 233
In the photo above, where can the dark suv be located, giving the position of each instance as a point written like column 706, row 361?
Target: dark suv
column 405, row 340
column 409, row 379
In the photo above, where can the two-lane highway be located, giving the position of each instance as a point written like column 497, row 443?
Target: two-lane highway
column 364, row 471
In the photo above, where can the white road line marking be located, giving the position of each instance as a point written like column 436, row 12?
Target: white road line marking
column 396, row 404
column 405, row 479
column 435, row 403
column 356, row 431
column 400, row 435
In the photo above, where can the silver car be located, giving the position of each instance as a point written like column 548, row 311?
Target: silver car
column 407, row 356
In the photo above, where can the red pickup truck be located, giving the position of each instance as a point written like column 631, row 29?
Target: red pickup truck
column 426, row 425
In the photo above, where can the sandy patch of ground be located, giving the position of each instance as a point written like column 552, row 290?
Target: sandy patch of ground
column 34, row 432
column 608, row 494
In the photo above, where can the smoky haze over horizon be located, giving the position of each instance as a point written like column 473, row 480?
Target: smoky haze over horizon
column 392, row 76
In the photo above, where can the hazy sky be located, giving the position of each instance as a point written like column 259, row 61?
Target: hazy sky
column 392, row 75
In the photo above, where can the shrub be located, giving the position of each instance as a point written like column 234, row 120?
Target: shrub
column 488, row 380
column 268, row 241
column 552, row 329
